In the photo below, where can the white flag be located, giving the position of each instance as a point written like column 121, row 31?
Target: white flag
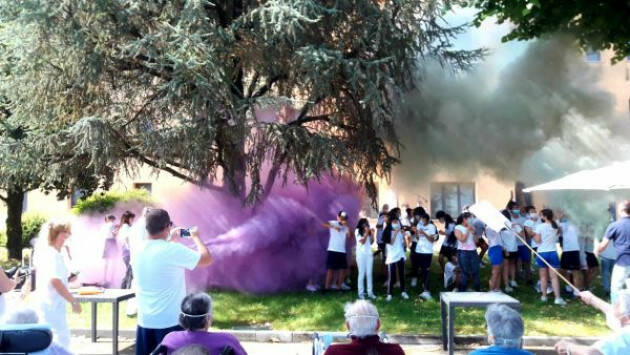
column 490, row 215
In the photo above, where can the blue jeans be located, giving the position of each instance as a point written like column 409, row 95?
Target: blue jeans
column 607, row 267
column 468, row 261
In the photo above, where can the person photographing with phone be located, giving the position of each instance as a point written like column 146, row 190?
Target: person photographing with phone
column 336, row 257
column 161, row 280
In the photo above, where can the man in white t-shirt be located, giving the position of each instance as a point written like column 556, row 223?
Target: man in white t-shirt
column 570, row 259
column 336, row 257
column 161, row 280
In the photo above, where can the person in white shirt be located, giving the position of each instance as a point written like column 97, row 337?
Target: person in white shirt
column 336, row 257
column 52, row 280
column 467, row 256
column 546, row 235
column 510, row 252
column 110, row 246
column 415, row 258
column 138, row 236
column 365, row 259
column 427, row 236
column 395, row 240
column 617, row 318
column 525, row 255
column 517, row 225
column 570, row 259
column 449, row 242
column 161, row 279
column 124, row 234
column 452, row 274
column 495, row 254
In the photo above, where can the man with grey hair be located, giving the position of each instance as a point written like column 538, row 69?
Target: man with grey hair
column 505, row 332
column 617, row 318
column 363, row 322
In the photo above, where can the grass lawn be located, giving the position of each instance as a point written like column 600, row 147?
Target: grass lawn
column 305, row 311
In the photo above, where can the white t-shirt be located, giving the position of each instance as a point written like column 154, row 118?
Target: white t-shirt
column 124, row 235
column 138, row 236
column 508, row 239
column 469, row 243
column 517, row 225
column 50, row 265
column 425, row 246
column 395, row 249
column 159, row 270
column 570, row 240
column 493, row 237
column 531, row 224
column 447, row 231
column 363, row 249
column 337, row 241
column 449, row 274
column 616, row 344
column 549, row 237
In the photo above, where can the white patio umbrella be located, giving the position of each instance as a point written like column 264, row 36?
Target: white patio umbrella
column 612, row 177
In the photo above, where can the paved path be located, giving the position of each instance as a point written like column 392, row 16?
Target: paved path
column 82, row 345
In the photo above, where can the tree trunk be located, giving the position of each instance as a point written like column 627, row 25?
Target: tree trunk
column 15, row 202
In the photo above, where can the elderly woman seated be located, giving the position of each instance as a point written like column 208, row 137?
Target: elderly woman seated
column 363, row 322
column 196, row 318
column 617, row 318
column 505, row 332
column 28, row 317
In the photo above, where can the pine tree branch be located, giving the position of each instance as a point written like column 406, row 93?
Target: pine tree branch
column 146, row 104
column 263, row 90
column 3, row 198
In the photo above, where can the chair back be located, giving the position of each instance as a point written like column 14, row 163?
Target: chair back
column 24, row 338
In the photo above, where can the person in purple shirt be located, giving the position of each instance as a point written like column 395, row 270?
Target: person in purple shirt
column 196, row 318
column 618, row 233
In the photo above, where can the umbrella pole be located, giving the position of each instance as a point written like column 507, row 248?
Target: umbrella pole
column 544, row 261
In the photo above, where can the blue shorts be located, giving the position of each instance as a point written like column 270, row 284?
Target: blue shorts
column 524, row 253
column 496, row 255
column 551, row 257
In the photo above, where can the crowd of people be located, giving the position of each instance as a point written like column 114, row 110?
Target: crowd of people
column 157, row 254
column 561, row 248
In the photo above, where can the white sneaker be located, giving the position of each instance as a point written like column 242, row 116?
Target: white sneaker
column 508, row 289
column 397, row 284
column 345, row 287
column 426, row 295
column 513, row 283
column 333, row 287
column 388, row 298
column 560, row 302
column 414, row 282
column 549, row 290
column 372, row 297
column 543, row 298
column 311, row 288
column 404, row 295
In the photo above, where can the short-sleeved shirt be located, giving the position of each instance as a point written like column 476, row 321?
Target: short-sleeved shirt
column 337, row 241
column 531, row 224
column 469, row 243
column 549, row 237
column 425, row 246
column 214, row 342
column 570, row 236
column 616, row 344
column 517, row 225
column 448, row 230
column 159, row 270
column 498, row 350
column 365, row 248
column 395, row 247
column 50, row 265
column 494, row 238
column 508, row 240
column 619, row 233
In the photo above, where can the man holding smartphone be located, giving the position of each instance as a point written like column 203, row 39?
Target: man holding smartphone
column 161, row 281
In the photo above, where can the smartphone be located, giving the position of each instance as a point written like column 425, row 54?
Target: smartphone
column 184, row 233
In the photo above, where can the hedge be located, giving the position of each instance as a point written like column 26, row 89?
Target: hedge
column 105, row 201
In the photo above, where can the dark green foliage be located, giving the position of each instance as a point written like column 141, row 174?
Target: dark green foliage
column 596, row 24
column 105, row 201
column 31, row 224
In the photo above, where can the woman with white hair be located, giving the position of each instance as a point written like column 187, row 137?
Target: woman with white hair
column 52, row 280
column 196, row 318
column 617, row 318
column 505, row 332
column 362, row 320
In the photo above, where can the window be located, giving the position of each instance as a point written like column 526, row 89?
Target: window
column 593, row 56
column 77, row 194
column 143, row 186
column 451, row 197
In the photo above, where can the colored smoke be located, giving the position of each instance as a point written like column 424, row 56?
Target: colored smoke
column 275, row 246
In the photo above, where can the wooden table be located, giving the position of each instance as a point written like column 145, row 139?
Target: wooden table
column 450, row 300
column 113, row 296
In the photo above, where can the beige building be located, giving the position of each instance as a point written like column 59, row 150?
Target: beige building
column 445, row 192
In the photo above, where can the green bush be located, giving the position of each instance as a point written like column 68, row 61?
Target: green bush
column 31, row 224
column 105, row 201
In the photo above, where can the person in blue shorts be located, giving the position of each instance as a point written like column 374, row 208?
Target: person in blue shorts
column 546, row 235
column 495, row 253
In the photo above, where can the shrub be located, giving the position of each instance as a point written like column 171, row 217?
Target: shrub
column 31, row 225
column 105, row 201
